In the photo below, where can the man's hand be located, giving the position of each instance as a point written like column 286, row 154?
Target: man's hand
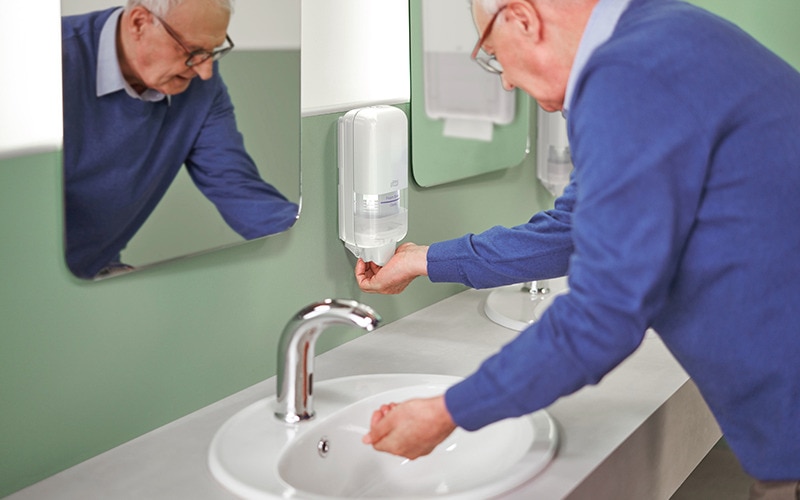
column 411, row 429
column 408, row 262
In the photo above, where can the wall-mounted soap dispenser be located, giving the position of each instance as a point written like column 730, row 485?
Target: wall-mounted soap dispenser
column 373, row 181
column 553, row 157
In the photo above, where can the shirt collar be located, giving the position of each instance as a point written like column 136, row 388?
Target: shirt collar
column 599, row 29
column 109, row 74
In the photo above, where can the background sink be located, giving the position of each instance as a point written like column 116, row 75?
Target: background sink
column 257, row 456
column 547, row 301
column 516, row 308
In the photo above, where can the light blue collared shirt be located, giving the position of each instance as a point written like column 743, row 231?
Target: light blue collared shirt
column 109, row 74
column 602, row 22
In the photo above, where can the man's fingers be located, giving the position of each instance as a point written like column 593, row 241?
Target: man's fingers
column 376, row 431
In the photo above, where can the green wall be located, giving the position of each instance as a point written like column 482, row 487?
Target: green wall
column 87, row 366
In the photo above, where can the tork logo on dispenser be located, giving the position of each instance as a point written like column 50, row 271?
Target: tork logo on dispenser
column 373, row 181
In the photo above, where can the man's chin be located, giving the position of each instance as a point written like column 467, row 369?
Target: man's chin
column 175, row 86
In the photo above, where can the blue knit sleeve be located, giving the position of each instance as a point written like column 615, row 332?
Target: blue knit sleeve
column 539, row 249
column 226, row 174
column 639, row 184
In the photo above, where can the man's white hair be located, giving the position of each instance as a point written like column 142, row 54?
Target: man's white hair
column 490, row 6
column 162, row 7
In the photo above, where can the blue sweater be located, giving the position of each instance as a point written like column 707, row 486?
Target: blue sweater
column 121, row 154
column 682, row 216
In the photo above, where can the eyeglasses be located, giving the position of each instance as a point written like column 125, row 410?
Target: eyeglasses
column 198, row 56
column 488, row 62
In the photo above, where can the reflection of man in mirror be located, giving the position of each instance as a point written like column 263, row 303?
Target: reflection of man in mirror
column 134, row 114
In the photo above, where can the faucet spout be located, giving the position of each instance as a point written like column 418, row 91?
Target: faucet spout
column 295, row 376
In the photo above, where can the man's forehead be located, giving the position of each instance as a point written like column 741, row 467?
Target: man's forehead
column 200, row 22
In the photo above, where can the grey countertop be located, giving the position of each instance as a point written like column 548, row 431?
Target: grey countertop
column 637, row 434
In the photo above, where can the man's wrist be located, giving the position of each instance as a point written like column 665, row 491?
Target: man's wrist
column 422, row 261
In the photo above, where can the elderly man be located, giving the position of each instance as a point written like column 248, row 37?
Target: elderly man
column 134, row 113
column 681, row 216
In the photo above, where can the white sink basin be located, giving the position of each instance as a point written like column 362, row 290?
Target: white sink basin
column 257, row 456
column 547, row 302
column 516, row 308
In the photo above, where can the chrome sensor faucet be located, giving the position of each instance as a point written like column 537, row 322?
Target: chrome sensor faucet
column 296, row 352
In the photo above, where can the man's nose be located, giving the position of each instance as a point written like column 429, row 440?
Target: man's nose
column 506, row 85
column 205, row 69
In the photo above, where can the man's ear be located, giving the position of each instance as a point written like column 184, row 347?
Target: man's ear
column 525, row 17
column 138, row 18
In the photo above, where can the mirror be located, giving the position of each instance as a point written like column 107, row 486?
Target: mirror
column 463, row 123
column 124, row 210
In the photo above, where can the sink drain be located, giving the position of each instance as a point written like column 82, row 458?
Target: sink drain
column 323, row 447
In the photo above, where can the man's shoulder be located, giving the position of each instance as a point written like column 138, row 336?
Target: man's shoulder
column 84, row 25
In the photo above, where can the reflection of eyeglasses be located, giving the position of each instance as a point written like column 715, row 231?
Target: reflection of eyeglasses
column 487, row 62
column 198, row 56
